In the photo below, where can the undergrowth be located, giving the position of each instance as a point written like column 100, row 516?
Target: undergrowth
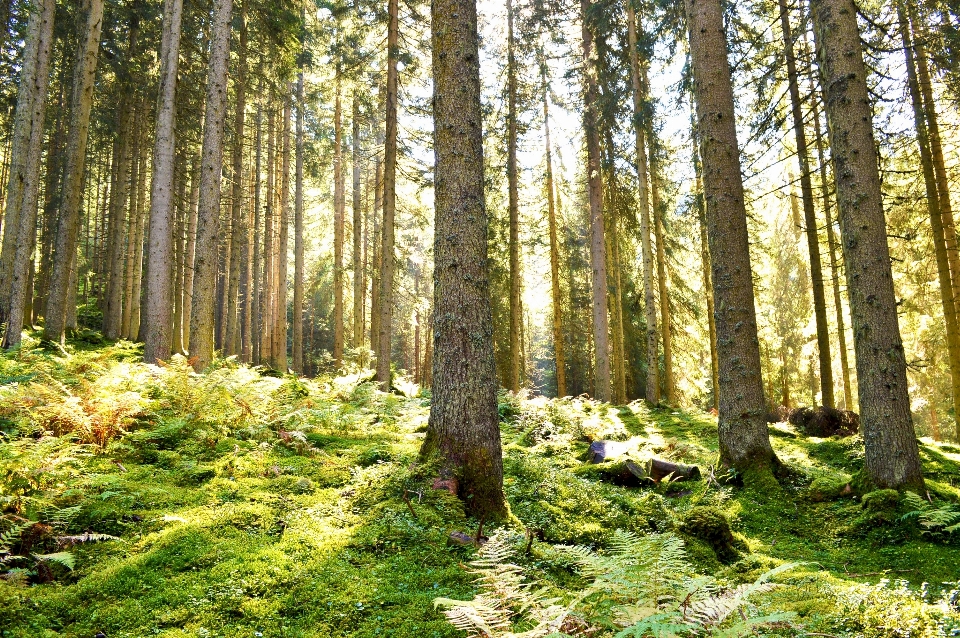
column 152, row 501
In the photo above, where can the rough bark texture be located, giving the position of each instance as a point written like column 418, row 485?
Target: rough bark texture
column 663, row 277
column 256, row 293
column 339, row 206
column 558, row 355
column 744, row 442
column 652, row 392
column 464, row 425
column 601, row 333
column 280, row 328
column 238, row 230
column 35, row 81
column 157, row 304
column 387, row 267
column 891, row 455
column 208, row 219
column 809, row 214
column 298, row 238
column 190, row 247
column 513, row 205
column 358, row 295
column 269, row 249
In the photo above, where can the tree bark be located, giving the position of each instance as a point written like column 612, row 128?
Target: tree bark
column 809, row 214
column 601, row 333
column 299, row 275
column 280, row 328
column 358, row 293
column 339, row 212
column 705, row 261
column 464, row 424
column 238, row 231
column 663, row 276
column 269, row 248
column 190, row 250
column 157, row 306
column 558, row 354
column 137, row 291
column 744, row 442
column 891, row 455
column 256, row 294
column 387, row 258
column 208, row 220
column 513, row 205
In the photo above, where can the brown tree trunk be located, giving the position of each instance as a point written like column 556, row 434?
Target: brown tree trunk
column 809, row 214
column 208, row 219
column 137, row 291
column 358, row 294
column 256, row 294
column 231, row 340
column 377, row 262
column 132, row 224
column 513, row 205
column 190, row 251
column 269, row 248
column 464, row 424
column 280, row 329
column 705, row 261
column 744, row 442
column 339, row 212
column 299, row 275
column 663, row 276
column 891, row 454
column 601, row 333
column 558, row 355
column 157, row 304
column 387, row 258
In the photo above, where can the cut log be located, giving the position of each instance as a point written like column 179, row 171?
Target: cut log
column 658, row 469
column 602, row 451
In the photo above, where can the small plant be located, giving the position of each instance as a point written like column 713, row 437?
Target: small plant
column 934, row 519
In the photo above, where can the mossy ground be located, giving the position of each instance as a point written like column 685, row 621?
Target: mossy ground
column 257, row 506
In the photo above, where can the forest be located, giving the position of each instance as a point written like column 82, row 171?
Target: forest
column 479, row 318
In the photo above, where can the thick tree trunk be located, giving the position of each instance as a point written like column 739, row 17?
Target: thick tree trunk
column 299, row 275
column 891, row 454
column 238, row 231
column 652, row 393
column 809, row 214
column 157, row 306
column 387, row 259
column 744, row 442
column 700, row 204
column 208, row 219
column 601, row 333
column 464, row 424
column 513, row 205
column 558, row 355
column 615, row 301
column 190, row 249
column 132, row 223
column 179, row 261
column 23, row 228
column 339, row 212
column 358, row 294
column 280, row 327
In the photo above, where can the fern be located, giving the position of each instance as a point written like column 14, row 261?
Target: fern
column 66, row 559
column 932, row 518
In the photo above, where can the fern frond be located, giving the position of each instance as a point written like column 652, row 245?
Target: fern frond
column 66, row 559
column 666, row 625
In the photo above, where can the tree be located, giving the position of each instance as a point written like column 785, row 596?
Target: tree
column 298, row 237
column 514, row 205
column 744, row 442
column 208, row 219
column 892, row 458
column 464, row 423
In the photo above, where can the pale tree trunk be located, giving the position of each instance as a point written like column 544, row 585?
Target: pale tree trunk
column 377, row 263
column 190, row 249
column 179, row 261
column 891, row 455
column 157, row 306
column 266, row 305
column 809, row 214
column 280, row 329
column 705, row 261
column 35, row 81
column 601, row 333
column 249, row 291
column 744, row 441
column 238, row 229
column 513, row 205
column 299, row 275
column 387, row 266
column 132, row 223
column 558, row 355
column 663, row 275
column 614, row 290
column 256, row 292
column 339, row 211
column 64, row 263
column 208, row 220
column 652, row 394
column 137, row 292
column 464, row 426
column 358, row 296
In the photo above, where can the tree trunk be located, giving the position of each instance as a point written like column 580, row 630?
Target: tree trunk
column 298, row 238
column 280, row 328
column 705, row 261
column 339, row 212
column 208, row 219
column 744, row 442
column 35, row 81
column 663, row 275
column 464, row 424
column 137, row 291
column 157, row 306
column 377, row 264
column 809, row 214
column 387, row 259
column 231, row 341
column 891, row 455
column 558, row 357
column 615, row 295
column 132, row 219
column 358, row 294
column 513, row 205
column 190, row 250
column 64, row 263
column 640, row 124
column 269, row 248
column 601, row 333
column 256, row 294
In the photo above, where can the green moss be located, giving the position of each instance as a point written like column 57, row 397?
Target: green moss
column 710, row 525
column 829, row 488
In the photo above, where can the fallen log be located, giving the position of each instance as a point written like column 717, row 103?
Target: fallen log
column 658, row 469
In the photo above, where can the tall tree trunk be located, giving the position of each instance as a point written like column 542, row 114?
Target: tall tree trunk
column 358, row 294
column 615, row 294
column 705, row 260
column 22, row 228
column 640, row 124
column 464, row 426
column 663, row 275
column 280, row 329
column 601, row 333
column 339, row 211
column 237, row 227
column 179, row 261
column 137, row 292
column 208, row 220
column 190, row 249
column 256, row 294
column 269, row 248
column 377, row 264
column 157, row 306
column 558, row 355
column 298, row 238
column 513, row 205
column 387, row 259
column 744, row 442
column 64, row 263
column 132, row 222
column 891, row 454
column 809, row 214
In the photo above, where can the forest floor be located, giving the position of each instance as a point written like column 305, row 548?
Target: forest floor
column 149, row 501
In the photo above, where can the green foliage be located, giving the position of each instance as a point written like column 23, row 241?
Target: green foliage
column 893, row 609
column 935, row 519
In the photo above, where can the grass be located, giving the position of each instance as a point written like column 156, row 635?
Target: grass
column 255, row 506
